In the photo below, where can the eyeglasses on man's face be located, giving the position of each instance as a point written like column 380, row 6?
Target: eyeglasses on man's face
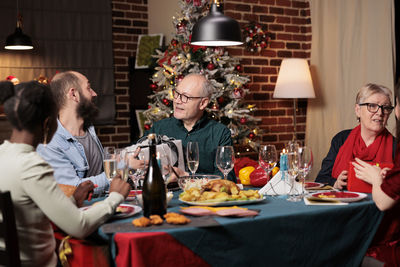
column 184, row 98
column 373, row 108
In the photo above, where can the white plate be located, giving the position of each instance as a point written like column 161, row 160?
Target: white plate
column 223, row 203
column 343, row 196
column 130, row 211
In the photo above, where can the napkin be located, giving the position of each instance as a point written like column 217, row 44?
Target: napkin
column 278, row 186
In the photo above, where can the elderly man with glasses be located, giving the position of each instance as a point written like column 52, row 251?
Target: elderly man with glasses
column 369, row 141
column 191, row 123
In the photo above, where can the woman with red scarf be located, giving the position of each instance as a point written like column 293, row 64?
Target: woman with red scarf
column 386, row 194
column 369, row 141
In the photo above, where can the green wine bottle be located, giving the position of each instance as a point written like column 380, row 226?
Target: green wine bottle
column 154, row 190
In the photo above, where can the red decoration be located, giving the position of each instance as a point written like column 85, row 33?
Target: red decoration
column 147, row 126
column 215, row 107
column 179, row 78
column 186, row 47
column 238, row 93
column 153, row 86
column 251, row 136
column 197, row 2
column 238, row 67
column 220, row 100
column 174, row 42
column 243, row 120
column 149, row 107
column 210, row 66
column 165, row 101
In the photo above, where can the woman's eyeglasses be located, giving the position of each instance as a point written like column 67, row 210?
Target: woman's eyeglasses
column 373, row 108
column 184, row 98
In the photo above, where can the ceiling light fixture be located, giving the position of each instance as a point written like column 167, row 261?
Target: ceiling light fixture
column 216, row 29
column 18, row 40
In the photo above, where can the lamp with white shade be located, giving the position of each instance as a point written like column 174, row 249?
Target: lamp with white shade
column 294, row 81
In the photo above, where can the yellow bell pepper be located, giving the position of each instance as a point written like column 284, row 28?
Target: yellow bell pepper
column 244, row 175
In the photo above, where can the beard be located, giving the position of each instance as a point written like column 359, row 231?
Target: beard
column 88, row 111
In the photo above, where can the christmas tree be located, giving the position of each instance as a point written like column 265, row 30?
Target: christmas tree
column 181, row 58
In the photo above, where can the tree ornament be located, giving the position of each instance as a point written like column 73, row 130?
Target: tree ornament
column 174, row 42
column 214, row 107
column 220, row 100
column 147, row 126
column 243, row 120
column 238, row 93
column 197, row 2
column 186, row 47
column 13, row 79
column 153, row 86
column 165, row 101
column 251, row 136
column 179, row 78
column 238, row 68
column 210, row 66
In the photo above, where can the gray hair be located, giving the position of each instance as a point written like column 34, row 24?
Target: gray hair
column 370, row 89
column 207, row 87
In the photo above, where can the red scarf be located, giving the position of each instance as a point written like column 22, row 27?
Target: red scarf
column 380, row 151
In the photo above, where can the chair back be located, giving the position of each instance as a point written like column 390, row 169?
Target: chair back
column 9, row 256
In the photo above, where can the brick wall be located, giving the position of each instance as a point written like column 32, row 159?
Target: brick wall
column 130, row 19
column 288, row 20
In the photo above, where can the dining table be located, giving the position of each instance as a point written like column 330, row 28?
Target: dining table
column 284, row 233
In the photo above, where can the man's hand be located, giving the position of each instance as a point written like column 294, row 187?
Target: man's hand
column 82, row 192
column 120, row 186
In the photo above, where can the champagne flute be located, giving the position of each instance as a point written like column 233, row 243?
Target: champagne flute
column 293, row 171
column 267, row 157
column 225, row 159
column 305, row 164
column 192, row 156
column 109, row 162
column 122, row 167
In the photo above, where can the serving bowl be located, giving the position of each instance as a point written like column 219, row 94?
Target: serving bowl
column 195, row 181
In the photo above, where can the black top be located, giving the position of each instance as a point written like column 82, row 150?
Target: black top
column 325, row 174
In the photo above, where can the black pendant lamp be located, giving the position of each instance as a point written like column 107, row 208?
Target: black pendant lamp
column 216, row 29
column 18, row 40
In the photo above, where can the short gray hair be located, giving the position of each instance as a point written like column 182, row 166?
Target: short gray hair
column 60, row 84
column 371, row 89
column 207, row 87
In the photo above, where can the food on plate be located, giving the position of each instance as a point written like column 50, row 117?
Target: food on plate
column 220, row 185
column 218, row 191
column 123, row 209
column 234, row 211
column 244, row 175
column 156, row 219
column 141, row 222
column 176, row 218
column 326, row 196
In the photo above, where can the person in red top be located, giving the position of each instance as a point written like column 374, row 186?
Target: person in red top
column 386, row 194
column 369, row 141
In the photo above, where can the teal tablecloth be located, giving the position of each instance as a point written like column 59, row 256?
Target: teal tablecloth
column 284, row 234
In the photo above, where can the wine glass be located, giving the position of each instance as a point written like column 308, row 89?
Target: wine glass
column 192, row 156
column 163, row 157
column 138, row 174
column 109, row 162
column 305, row 164
column 225, row 159
column 267, row 157
column 293, row 158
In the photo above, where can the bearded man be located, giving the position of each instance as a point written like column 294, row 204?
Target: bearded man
column 75, row 152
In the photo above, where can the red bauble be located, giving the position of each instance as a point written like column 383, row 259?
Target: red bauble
column 153, row 86
column 220, row 100
column 186, row 47
column 174, row 42
column 251, row 136
column 148, row 107
column 238, row 67
column 147, row 126
column 215, row 107
column 238, row 93
column 243, row 120
column 210, row 66
column 165, row 101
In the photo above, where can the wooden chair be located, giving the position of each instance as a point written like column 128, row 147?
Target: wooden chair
column 8, row 232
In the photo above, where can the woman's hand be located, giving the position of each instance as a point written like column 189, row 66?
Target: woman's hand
column 367, row 172
column 341, row 181
column 82, row 192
